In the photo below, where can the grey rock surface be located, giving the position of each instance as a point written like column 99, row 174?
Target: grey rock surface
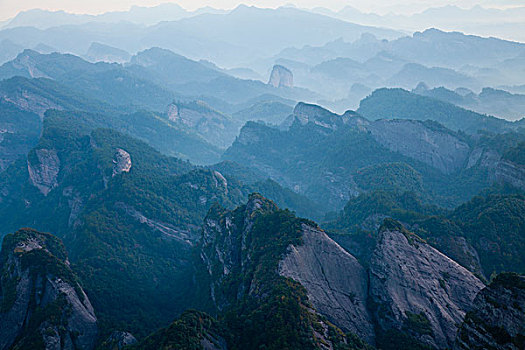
column 439, row 149
column 27, row 289
column 119, row 339
column 497, row 320
column 43, row 173
column 281, row 77
column 335, row 281
column 411, row 280
column 121, row 162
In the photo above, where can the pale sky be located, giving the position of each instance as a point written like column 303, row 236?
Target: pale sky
column 9, row 8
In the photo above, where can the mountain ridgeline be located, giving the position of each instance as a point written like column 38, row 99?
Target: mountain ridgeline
column 317, row 184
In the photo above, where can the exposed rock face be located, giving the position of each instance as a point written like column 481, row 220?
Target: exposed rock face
column 215, row 127
column 281, row 77
column 501, row 170
column 167, row 230
column 43, row 173
column 335, row 281
column 440, row 149
column 416, row 289
column 26, row 62
column 511, row 173
column 497, row 320
column 224, row 246
column 173, row 112
column 41, row 298
column 119, row 339
column 121, row 162
column 247, row 265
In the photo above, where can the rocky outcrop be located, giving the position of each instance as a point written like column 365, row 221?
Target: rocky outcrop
column 224, row 248
column 215, row 127
column 416, row 290
column 261, row 259
column 26, row 63
column 510, row 173
column 41, row 300
column 497, row 320
column 118, row 340
column 335, row 281
column 43, row 166
column 437, row 148
column 281, row 77
column 167, row 230
column 501, row 170
column 121, row 162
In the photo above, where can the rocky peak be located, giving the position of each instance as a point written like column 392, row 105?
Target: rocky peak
column 43, row 166
column 281, row 77
column 41, row 300
column 306, row 113
column 335, row 281
column 26, row 61
column 224, row 238
column 416, row 291
column 497, row 320
column 121, row 162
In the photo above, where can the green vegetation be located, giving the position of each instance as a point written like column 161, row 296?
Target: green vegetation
column 417, row 323
column 401, row 104
column 492, row 225
column 188, row 332
column 516, row 154
column 265, row 310
column 390, row 176
column 270, row 112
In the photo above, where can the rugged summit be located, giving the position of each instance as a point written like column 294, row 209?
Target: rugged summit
column 335, row 281
column 497, row 320
column 281, row 77
column 242, row 252
column 42, row 304
column 417, row 291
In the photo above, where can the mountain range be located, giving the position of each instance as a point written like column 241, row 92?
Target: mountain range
column 315, row 184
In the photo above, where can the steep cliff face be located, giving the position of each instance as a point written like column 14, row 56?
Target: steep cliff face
column 241, row 251
column 281, row 77
column 438, row 148
column 500, row 170
column 42, row 306
column 43, row 169
column 335, row 281
column 417, row 293
column 497, row 320
column 224, row 244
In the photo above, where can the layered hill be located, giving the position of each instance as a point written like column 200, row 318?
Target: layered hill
column 330, row 157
